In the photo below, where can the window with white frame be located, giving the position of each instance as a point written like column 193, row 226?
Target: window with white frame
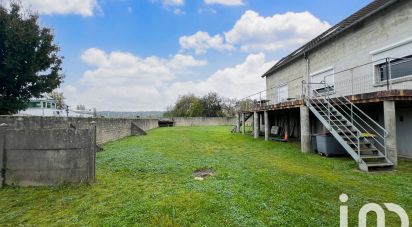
column 393, row 62
column 323, row 80
column 394, row 68
column 283, row 93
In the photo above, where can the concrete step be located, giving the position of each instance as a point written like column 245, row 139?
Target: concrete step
column 372, row 156
column 379, row 164
column 368, row 149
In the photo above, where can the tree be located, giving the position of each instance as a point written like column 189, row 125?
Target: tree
column 229, row 107
column 58, row 97
column 185, row 106
column 29, row 61
column 210, row 105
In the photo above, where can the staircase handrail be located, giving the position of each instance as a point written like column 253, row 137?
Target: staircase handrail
column 365, row 115
column 345, row 126
column 360, row 125
column 354, row 115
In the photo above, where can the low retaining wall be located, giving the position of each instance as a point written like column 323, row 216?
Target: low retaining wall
column 40, row 157
column 108, row 129
column 204, row 121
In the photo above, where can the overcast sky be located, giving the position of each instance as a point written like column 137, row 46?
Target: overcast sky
column 136, row 55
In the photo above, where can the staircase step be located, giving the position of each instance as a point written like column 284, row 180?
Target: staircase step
column 355, row 143
column 372, row 156
column 332, row 116
column 325, row 111
column 339, row 125
column 345, row 130
column 368, row 149
column 350, row 138
column 339, row 120
column 379, row 164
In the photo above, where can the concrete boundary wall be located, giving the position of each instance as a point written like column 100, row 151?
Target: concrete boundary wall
column 44, row 157
column 107, row 129
column 204, row 121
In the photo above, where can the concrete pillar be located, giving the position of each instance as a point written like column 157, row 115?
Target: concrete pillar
column 256, row 125
column 238, row 122
column 3, row 128
column 390, row 125
column 267, row 125
column 243, row 123
column 304, row 129
column 93, row 150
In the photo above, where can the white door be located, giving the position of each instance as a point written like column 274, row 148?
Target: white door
column 283, row 93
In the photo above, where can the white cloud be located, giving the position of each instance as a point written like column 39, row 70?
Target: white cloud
column 234, row 82
column 123, row 81
column 253, row 32
column 179, row 11
column 174, row 6
column 80, row 7
column 173, row 2
column 200, row 42
column 225, row 2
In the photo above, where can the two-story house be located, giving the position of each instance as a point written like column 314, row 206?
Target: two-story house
column 354, row 81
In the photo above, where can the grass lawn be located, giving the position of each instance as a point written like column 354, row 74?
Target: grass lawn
column 148, row 181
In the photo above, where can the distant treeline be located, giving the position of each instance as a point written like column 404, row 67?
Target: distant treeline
column 210, row 105
column 137, row 114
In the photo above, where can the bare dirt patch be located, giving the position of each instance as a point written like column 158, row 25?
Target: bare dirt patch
column 200, row 174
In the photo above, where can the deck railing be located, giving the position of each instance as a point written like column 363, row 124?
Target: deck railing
column 378, row 75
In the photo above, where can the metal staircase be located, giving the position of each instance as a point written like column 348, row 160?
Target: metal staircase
column 362, row 137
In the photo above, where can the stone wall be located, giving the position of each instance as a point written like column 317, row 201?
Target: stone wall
column 204, row 121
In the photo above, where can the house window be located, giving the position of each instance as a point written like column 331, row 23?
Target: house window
column 283, row 94
column 48, row 105
column 398, row 68
column 323, row 81
column 35, row 104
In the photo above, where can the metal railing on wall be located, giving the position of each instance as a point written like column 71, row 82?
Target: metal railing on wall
column 378, row 75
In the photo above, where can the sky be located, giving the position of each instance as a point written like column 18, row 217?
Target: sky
column 141, row 55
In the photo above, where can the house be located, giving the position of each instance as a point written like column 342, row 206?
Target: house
column 354, row 81
column 44, row 106
column 47, row 107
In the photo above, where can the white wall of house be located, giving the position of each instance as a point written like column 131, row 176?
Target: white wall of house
column 386, row 34
column 403, row 131
column 292, row 76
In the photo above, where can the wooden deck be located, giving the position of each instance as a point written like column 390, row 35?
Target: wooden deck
column 372, row 97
